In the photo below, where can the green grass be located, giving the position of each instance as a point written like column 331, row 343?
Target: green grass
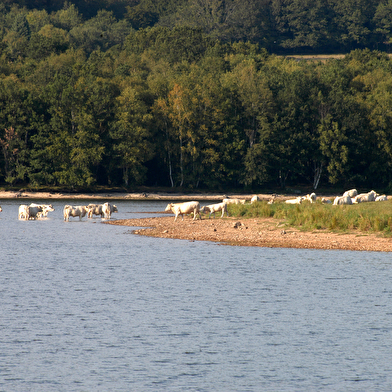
column 363, row 217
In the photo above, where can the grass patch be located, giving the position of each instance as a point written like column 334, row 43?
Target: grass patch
column 373, row 217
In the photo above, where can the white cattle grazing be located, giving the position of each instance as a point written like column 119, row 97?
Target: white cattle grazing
column 312, row 197
column 212, row 208
column 352, row 193
column 326, row 201
column 79, row 211
column 46, row 208
column 29, row 212
column 94, row 209
column 339, row 200
column 297, row 200
column 365, row 197
column 381, row 198
column 184, row 208
column 108, row 209
column 254, row 199
column 234, row 201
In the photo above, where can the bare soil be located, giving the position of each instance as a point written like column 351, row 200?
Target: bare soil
column 253, row 232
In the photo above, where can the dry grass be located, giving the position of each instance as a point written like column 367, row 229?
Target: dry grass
column 374, row 217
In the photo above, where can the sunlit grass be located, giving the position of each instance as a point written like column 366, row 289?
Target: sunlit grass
column 374, row 216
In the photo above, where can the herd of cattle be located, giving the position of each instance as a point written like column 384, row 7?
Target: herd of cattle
column 193, row 207
column 37, row 211
column 105, row 210
column 349, row 197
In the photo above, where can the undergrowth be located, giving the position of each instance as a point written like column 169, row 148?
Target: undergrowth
column 374, row 216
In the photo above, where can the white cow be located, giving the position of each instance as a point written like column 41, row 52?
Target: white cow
column 95, row 209
column 23, row 212
column 184, row 208
column 352, row 193
column 365, row 197
column 381, row 198
column 74, row 211
column 254, row 199
column 339, row 200
column 326, row 201
column 234, row 201
column 212, row 208
column 29, row 212
column 311, row 197
column 297, row 200
column 108, row 209
column 46, row 208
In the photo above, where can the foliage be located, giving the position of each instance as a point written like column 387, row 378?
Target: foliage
column 185, row 94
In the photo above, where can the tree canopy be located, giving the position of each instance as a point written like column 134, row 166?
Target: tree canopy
column 195, row 94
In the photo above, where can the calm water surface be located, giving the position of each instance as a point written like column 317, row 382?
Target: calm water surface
column 90, row 307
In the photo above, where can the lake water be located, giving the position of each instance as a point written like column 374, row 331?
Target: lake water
column 91, row 307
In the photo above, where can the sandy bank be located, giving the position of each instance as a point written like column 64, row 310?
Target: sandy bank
column 254, row 232
column 120, row 196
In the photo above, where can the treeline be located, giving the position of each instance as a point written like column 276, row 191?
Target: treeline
column 322, row 26
column 96, row 102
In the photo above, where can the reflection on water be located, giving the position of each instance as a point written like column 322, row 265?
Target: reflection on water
column 87, row 306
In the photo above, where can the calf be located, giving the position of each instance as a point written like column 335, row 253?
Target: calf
column 212, row 208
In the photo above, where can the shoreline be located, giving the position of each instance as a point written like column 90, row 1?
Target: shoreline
column 258, row 232
column 120, row 196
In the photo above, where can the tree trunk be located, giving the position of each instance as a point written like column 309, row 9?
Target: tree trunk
column 317, row 175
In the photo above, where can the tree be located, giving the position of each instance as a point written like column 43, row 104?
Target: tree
column 383, row 21
column 16, row 116
column 68, row 17
column 333, row 144
column 49, row 40
column 172, row 45
column 180, row 116
column 352, row 21
column 100, row 32
column 17, row 38
column 228, row 20
column 306, row 22
column 131, row 135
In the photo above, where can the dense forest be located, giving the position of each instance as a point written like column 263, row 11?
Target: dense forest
column 195, row 94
